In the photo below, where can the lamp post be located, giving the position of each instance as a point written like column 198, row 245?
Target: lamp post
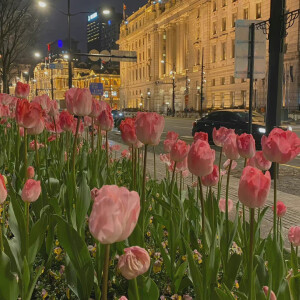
column 43, row 4
column 173, row 85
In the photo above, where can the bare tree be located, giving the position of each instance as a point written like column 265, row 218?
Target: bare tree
column 18, row 26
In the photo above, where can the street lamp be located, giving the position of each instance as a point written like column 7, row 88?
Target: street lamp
column 66, row 56
column 106, row 12
column 42, row 4
column 37, row 54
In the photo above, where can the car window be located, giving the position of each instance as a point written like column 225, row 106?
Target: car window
column 228, row 116
column 215, row 116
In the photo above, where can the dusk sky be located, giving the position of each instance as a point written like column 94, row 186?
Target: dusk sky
column 55, row 23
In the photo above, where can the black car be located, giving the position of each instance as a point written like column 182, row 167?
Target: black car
column 234, row 119
column 118, row 116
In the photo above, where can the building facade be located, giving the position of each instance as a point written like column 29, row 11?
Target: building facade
column 174, row 37
column 82, row 78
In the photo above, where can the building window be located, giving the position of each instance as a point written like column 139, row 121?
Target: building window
column 213, row 82
column 232, row 79
column 224, row 3
column 234, row 17
column 246, row 14
column 223, row 53
column 223, row 24
column 232, row 98
column 214, row 28
column 232, row 48
column 222, row 80
column 258, row 10
column 214, row 5
column 214, row 53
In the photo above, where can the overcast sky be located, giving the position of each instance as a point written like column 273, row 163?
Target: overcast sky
column 55, row 23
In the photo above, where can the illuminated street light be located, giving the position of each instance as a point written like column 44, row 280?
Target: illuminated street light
column 37, row 54
column 66, row 56
column 42, row 4
column 25, row 72
column 106, row 11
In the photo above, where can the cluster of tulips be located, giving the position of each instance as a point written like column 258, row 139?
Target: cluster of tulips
column 66, row 188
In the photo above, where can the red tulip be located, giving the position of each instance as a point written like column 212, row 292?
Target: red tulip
column 66, row 120
column 31, row 190
column 114, row 214
column 135, row 262
column 254, row 187
column 201, row 159
column 30, row 172
column 54, row 111
column 168, row 144
column 105, row 120
column 3, row 190
column 211, row 179
column 28, row 115
column 6, row 99
column 125, row 153
column 128, row 133
column 230, row 147
column 149, row 127
column 179, row 151
column 280, row 146
column 272, row 294
column 203, row 136
column 22, row 90
column 222, row 205
column 246, row 145
column 220, row 135
column 171, row 135
column 79, row 101
column 281, row 209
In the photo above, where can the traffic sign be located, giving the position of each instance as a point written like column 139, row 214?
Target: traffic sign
column 105, row 53
column 51, row 66
column 120, row 55
column 94, row 58
column 242, row 50
column 96, row 89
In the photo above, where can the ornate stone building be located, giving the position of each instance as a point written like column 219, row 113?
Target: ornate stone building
column 172, row 36
column 41, row 84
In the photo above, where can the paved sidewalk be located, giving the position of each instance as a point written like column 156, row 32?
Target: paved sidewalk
column 291, row 218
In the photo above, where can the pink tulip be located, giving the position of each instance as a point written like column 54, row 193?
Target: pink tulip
column 127, row 128
column 227, row 162
column 187, row 297
column 201, row 159
column 105, row 120
column 182, row 166
column 30, row 172
column 6, row 99
column 115, row 147
column 87, row 121
column 168, row 144
column 222, row 205
column 79, row 101
column 149, row 127
column 44, row 101
column 259, row 162
column 3, row 190
column 22, row 90
column 230, row 147
column 53, row 112
column 123, row 298
column 246, row 145
column 211, row 179
column 94, row 193
column 280, row 146
column 220, row 135
column 272, row 294
column 294, row 235
column 185, row 173
column 281, row 209
column 114, row 214
column 254, row 187
column 95, row 108
column 203, row 136
column 134, row 262
column 38, row 129
column 31, row 190
column 179, row 151
column 66, row 120
column 171, row 135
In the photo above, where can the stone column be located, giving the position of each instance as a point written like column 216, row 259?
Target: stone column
column 183, row 34
column 178, row 48
column 160, row 53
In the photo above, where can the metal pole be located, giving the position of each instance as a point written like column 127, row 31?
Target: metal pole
column 276, row 42
column 173, row 83
column 202, row 82
column 251, row 71
column 69, row 40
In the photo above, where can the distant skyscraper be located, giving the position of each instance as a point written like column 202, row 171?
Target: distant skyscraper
column 103, row 29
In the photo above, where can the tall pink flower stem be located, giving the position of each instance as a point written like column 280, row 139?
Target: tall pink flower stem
column 105, row 272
